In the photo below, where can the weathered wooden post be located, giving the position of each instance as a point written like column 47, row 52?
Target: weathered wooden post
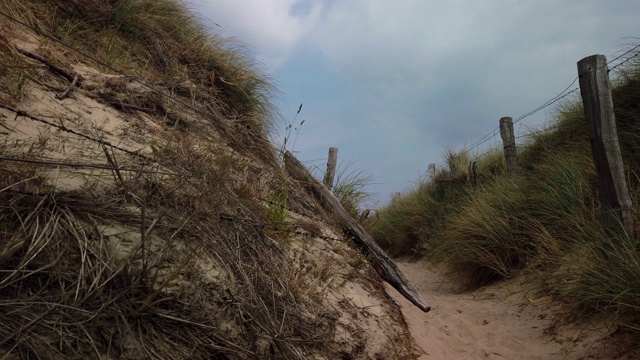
column 509, row 145
column 331, row 168
column 432, row 171
column 380, row 261
column 595, row 90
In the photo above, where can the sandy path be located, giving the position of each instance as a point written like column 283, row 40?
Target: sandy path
column 490, row 323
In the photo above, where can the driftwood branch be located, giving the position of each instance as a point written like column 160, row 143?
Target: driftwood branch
column 55, row 68
column 379, row 259
column 65, row 93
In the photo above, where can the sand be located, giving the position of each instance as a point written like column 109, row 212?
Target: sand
column 501, row 321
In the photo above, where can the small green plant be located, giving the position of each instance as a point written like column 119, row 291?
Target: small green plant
column 277, row 200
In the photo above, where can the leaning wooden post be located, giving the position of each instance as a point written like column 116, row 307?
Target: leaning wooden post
column 380, row 261
column 331, row 168
column 509, row 145
column 432, row 170
column 595, row 90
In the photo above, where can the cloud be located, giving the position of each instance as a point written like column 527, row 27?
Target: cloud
column 438, row 56
column 271, row 28
column 393, row 44
column 396, row 41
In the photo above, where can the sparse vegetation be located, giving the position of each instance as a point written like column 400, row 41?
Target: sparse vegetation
column 543, row 223
column 163, row 42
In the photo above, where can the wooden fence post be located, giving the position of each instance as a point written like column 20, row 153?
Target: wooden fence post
column 432, row 171
column 331, row 168
column 473, row 173
column 595, row 90
column 509, row 142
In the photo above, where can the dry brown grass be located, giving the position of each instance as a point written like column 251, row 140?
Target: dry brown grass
column 164, row 43
column 149, row 265
column 172, row 253
column 154, row 266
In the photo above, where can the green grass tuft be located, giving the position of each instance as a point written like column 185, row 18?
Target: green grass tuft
column 350, row 188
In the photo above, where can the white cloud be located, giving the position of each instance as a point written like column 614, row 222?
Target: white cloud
column 269, row 27
column 370, row 35
column 401, row 40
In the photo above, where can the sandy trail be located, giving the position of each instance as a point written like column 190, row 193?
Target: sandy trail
column 490, row 323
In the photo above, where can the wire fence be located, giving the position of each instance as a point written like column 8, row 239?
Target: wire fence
column 569, row 90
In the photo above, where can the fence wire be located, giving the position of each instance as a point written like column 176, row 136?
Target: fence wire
column 567, row 91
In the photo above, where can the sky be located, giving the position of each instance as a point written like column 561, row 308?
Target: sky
column 394, row 84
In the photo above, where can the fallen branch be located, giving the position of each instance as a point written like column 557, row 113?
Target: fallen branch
column 55, row 68
column 379, row 259
column 68, row 90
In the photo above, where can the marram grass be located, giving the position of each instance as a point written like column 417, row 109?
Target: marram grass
column 544, row 222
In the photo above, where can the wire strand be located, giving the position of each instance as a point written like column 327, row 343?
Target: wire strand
column 83, row 165
column 22, row 113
